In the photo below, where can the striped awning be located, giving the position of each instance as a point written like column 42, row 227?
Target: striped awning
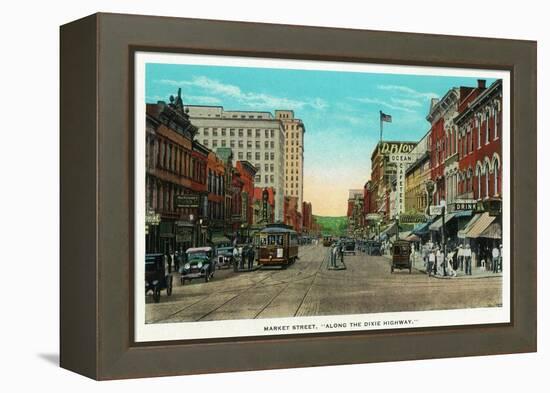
column 462, row 233
column 493, row 231
column 479, row 226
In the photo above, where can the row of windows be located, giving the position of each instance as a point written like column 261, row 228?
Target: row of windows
column 268, row 179
column 292, row 142
column 170, row 157
column 240, row 132
column 215, row 183
column 464, row 142
column 292, row 126
column 257, row 156
column 232, row 143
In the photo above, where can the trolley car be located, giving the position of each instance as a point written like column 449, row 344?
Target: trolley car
column 277, row 245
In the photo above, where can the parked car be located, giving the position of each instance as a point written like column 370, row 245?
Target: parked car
column 157, row 277
column 201, row 263
column 373, row 247
column 349, row 246
column 224, row 256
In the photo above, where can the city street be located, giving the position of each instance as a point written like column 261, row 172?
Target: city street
column 308, row 288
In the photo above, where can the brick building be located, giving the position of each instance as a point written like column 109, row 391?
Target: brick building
column 443, row 139
column 246, row 172
column 480, row 145
column 175, row 178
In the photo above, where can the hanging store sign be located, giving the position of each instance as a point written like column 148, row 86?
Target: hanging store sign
column 412, row 218
column 465, row 204
column 187, row 200
column 402, row 161
column 387, row 148
column 152, row 218
column 373, row 217
column 436, row 210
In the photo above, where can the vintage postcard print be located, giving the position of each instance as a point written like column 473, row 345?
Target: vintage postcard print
column 280, row 197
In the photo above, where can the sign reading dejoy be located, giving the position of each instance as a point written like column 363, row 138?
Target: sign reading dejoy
column 396, row 147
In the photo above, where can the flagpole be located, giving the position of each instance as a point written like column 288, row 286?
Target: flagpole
column 381, row 126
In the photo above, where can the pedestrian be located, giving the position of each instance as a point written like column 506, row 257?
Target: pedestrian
column 341, row 250
column 167, row 262
column 468, row 259
column 431, row 262
column 177, row 259
column 450, row 268
column 236, row 258
column 251, row 257
column 460, row 256
column 439, row 259
column 496, row 255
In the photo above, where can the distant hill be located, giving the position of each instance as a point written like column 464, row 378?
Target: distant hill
column 335, row 226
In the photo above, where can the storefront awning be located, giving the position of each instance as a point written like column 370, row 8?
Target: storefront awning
column 422, row 229
column 436, row 226
column 389, row 230
column 493, row 231
column 479, row 226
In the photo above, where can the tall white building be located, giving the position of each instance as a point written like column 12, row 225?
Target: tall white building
column 294, row 154
column 257, row 137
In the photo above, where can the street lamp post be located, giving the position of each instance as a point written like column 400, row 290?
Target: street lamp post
column 397, row 226
column 443, row 205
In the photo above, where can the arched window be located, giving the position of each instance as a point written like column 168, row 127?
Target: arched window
column 479, row 131
column 487, row 128
column 497, row 121
column 487, row 179
column 478, row 174
column 497, row 180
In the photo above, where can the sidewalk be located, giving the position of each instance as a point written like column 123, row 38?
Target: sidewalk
column 477, row 272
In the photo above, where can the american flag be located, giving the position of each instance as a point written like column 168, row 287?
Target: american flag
column 384, row 117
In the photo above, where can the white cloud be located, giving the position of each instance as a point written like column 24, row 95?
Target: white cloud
column 202, row 100
column 406, row 102
column 218, row 90
column 377, row 101
column 407, row 91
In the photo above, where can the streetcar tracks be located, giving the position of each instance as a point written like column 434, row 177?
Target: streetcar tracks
column 325, row 258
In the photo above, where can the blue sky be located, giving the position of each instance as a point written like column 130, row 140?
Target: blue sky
column 339, row 109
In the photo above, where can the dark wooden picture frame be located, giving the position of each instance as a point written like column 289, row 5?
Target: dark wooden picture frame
column 96, row 296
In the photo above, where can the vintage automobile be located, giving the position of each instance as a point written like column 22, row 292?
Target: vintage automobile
column 224, row 256
column 401, row 255
column 201, row 263
column 156, row 276
column 373, row 247
column 348, row 246
column 277, row 244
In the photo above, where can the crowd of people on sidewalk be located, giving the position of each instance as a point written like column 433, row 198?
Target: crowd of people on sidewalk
column 458, row 258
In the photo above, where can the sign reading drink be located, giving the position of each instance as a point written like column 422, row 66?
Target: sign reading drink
column 399, row 153
column 187, row 200
column 464, row 204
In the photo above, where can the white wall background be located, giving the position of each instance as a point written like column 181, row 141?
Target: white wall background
column 29, row 194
